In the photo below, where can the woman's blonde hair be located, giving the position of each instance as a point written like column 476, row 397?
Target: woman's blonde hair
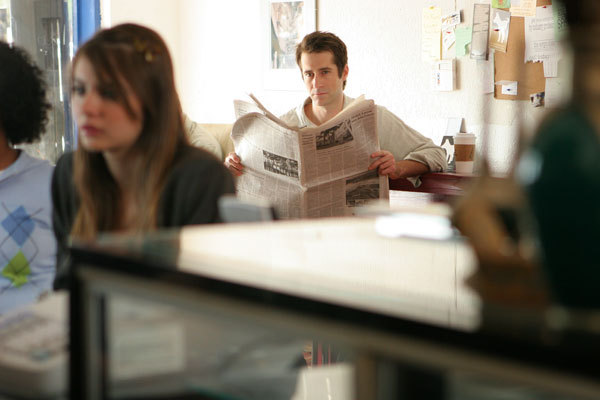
column 133, row 57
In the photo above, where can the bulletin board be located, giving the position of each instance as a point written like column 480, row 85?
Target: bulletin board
column 507, row 66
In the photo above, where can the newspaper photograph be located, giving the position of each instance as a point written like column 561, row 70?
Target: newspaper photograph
column 312, row 171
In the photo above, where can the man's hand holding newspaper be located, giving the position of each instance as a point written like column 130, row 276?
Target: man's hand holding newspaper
column 312, row 171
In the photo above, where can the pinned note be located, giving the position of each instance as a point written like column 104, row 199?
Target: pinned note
column 537, row 99
column 481, row 26
column 540, row 43
column 523, row 8
column 431, row 46
column 463, row 38
column 509, row 87
column 448, row 38
column 443, row 76
column 500, row 29
column 501, row 3
column 450, row 20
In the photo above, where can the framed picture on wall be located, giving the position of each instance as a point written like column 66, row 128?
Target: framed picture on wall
column 286, row 22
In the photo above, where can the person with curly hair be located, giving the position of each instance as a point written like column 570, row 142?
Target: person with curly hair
column 27, row 244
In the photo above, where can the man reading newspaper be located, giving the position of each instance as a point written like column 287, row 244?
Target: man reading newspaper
column 400, row 150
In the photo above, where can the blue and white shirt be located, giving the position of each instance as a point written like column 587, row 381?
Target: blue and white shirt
column 27, row 243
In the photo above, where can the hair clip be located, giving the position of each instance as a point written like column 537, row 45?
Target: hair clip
column 142, row 47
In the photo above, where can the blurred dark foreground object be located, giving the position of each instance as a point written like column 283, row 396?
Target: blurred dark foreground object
column 493, row 216
column 562, row 179
column 561, row 172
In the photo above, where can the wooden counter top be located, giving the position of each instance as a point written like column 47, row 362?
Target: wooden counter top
column 442, row 185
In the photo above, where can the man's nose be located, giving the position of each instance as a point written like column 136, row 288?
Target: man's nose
column 317, row 81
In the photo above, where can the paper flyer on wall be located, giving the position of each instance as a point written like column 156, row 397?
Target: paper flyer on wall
column 523, row 8
column 308, row 172
column 431, row 39
column 500, row 30
column 480, row 34
column 540, row 41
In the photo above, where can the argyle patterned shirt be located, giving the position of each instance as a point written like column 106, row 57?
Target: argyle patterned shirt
column 27, row 244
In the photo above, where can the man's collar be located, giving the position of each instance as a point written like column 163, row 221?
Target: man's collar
column 304, row 118
column 347, row 101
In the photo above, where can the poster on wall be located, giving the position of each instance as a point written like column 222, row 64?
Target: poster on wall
column 285, row 24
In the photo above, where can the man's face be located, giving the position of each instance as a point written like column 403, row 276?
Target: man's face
column 321, row 78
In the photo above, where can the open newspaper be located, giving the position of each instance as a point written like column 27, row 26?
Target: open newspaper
column 310, row 171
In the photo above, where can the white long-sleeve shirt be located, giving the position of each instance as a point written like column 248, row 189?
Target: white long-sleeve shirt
column 395, row 136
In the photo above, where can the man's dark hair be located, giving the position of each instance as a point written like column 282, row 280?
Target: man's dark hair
column 319, row 42
column 23, row 104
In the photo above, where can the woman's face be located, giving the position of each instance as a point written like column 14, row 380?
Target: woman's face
column 104, row 124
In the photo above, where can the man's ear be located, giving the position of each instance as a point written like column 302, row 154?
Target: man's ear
column 345, row 73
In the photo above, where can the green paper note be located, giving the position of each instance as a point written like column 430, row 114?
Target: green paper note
column 501, row 3
column 463, row 38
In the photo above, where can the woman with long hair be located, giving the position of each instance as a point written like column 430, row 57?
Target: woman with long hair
column 134, row 170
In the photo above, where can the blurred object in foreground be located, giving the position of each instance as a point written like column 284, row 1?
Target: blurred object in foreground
column 561, row 172
column 493, row 215
column 427, row 221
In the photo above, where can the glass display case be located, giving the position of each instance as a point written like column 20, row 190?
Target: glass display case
column 44, row 28
column 189, row 315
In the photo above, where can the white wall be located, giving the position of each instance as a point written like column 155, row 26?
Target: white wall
column 218, row 52
column 160, row 15
column 220, row 55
